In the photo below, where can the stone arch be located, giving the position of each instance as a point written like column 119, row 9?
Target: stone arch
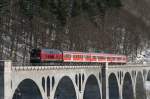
column 92, row 88
column 140, row 91
column 65, row 89
column 113, row 87
column 27, row 89
column 127, row 88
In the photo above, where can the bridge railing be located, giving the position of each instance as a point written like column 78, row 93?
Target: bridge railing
column 14, row 64
column 130, row 65
column 52, row 67
column 43, row 66
column 48, row 66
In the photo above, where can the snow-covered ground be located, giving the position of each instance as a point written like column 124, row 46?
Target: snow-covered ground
column 143, row 57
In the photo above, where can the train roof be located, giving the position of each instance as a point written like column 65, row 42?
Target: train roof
column 93, row 53
column 75, row 52
column 51, row 50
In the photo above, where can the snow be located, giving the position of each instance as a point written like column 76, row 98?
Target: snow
column 143, row 57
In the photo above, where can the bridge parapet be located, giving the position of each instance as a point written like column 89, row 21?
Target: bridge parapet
column 129, row 66
column 48, row 66
column 51, row 67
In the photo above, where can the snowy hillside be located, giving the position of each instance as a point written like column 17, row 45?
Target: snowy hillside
column 143, row 57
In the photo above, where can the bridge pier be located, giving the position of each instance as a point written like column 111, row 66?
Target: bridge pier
column 120, row 92
column 105, row 85
column 80, row 95
column 5, row 80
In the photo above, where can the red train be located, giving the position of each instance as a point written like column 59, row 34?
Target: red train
column 54, row 55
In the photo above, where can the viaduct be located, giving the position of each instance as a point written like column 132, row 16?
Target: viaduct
column 73, row 82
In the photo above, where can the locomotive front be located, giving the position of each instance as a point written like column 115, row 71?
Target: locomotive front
column 45, row 55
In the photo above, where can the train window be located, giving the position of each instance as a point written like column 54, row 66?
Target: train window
column 119, row 58
column 74, row 56
column 87, row 56
column 124, row 58
column 94, row 57
column 77, row 56
column 80, row 56
column 67, row 56
column 101, row 57
column 108, row 58
column 113, row 58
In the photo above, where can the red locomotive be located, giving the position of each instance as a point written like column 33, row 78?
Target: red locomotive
column 54, row 55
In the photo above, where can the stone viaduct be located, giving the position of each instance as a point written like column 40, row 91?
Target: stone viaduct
column 73, row 82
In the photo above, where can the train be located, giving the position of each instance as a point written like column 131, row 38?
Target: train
column 57, row 56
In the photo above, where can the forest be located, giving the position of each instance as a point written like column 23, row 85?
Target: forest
column 76, row 25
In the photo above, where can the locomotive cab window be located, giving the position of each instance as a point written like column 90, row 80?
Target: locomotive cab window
column 35, row 53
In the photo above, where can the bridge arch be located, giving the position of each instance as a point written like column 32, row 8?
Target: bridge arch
column 92, row 88
column 65, row 89
column 113, row 87
column 127, row 88
column 140, row 91
column 27, row 88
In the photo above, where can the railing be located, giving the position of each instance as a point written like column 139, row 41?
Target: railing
column 14, row 64
column 52, row 67
column 48, row 66
column 130, row 65
column 137, row 63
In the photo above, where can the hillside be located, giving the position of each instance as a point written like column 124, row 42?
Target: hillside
column 139, row 9
column 120, row 27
